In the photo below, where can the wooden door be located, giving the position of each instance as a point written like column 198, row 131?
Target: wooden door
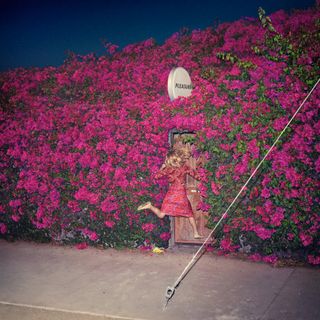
column 181, row 228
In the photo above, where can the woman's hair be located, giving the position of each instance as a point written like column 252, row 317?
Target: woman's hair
column 184, row 151
column 173, row 159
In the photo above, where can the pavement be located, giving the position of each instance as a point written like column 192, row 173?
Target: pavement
column 45, row 281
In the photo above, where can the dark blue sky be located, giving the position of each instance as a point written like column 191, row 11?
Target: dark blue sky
column 39, row 33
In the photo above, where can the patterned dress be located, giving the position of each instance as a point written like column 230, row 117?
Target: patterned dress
column 176, row 202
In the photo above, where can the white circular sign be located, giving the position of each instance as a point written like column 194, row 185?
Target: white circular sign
column 179, row 83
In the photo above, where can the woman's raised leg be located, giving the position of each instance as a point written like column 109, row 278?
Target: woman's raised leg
column 154, row 209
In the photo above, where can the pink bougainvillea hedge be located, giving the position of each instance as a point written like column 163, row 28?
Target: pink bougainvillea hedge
column 80, row 143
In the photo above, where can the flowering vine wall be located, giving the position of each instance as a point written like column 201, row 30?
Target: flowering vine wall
column 80, row 143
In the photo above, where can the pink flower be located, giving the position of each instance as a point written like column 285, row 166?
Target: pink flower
column 265, row 193
column 280, row 123
column 226, row 245
column 3, row 228
column 165, row 236
column 247, row 128
column 253, row 148
column 266, row 180
column 148, row 227
column 221, row 171
column 109, row 204
column 121, row 150
column 81, row 246
column 93, row 215
column 55, row 198
column 306, row 239
column 277, row 217
column 242, row 167
column 235, row 71
column 209, row 248
column 203, row 206
column 317, row 165
column 90, row 234
column 111, row 48
column 256, row 257
column 203, row 190
column 290, row 236
column 88, row 160
column 31, row 185
column 74, row 206
column 293, row 177
column 109, row 223
column 15, row 217
column 268, row 206
column 43, row 188
column 262, row 232
column 270, row 259
column 15, row 203
column 84, row 194
column 93, row 236
column 215, row 188
column 147, row 247
column 314, row 259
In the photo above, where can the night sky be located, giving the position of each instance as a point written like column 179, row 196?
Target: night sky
column 39, row 33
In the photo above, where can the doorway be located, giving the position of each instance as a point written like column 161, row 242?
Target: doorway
column 180, row 227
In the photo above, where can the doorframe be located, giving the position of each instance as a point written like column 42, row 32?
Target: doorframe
column 171, row 134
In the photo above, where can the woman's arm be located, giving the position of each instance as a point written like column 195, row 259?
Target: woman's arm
column 192, row 172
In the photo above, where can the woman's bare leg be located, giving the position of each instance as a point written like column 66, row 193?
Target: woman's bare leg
column 154, row 209
column 196, row 234
column 157, row 211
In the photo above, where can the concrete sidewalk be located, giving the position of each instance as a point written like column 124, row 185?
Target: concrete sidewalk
column 43, row 281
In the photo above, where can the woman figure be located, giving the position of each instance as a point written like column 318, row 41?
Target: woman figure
column 176, row 202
